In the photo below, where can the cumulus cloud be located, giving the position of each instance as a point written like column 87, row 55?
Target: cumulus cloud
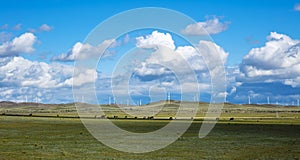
column 155, row 39
column 277, row 61
column 210, row 26
column 45, row 27
column 47, row 82
column 21, row 44
column 82, row 51
column 297, row 7
column 184, row 61
column 180, row 56
column 25, row 73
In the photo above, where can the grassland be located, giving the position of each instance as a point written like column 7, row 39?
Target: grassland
column 160, row 110
column 257, row 132
column 61, row 138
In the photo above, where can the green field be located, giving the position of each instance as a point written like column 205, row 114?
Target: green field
column 44, row 131
column 66, row 138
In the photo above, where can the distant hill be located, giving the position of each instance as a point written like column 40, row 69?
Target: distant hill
column 162, row 108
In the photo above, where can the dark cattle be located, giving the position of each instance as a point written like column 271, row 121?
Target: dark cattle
column 231, row 119
column 151, row 117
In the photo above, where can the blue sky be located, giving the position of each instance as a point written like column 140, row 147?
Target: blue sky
column 58, row 25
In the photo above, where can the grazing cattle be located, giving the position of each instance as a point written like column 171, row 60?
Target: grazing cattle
column 231, row 119
column 151, row 117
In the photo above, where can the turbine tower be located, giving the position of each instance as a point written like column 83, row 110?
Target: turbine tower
column 169, row 98
column 268, row 100
column 249, row 100
column 196, row 98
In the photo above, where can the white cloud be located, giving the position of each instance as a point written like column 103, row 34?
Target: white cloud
column 297, row 7
column 184, row 61
column 82, row 51
column 155, row 39
column 180, row 55
column 82, row 77
column 48, row 83
column 210, row 26
column 21, row 72
column 277, row 61
column 21, row 44
column 45, row 27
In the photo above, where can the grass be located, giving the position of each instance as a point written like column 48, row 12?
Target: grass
column 257, row 132
column 160, row 109
column 66, row 138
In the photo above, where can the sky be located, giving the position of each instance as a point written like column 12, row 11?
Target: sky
column 258, row 41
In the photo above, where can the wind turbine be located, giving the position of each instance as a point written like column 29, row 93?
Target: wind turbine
column 169, row 97
column 196, row 98
column 249, row 100
column 268, row 100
